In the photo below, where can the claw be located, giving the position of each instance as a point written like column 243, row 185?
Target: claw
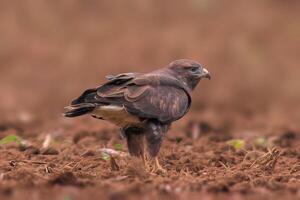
column 152, row 166
column 145, row 162
column 157, row 169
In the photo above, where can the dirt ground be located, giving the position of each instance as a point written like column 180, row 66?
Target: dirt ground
column 199, row 160
column 240, row 140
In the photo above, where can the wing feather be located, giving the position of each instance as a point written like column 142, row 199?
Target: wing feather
column 135, row 93
column 164, row 103
column 149, row 96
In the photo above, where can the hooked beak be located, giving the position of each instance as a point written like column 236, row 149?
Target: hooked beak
column 205, row 74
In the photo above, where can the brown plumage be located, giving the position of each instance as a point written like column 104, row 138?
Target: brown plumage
column 143, row 105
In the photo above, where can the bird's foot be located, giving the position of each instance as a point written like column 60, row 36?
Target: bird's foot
column 157, row 169
column 145, row 163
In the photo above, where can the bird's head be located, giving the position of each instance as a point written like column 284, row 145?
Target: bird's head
column 189, row 71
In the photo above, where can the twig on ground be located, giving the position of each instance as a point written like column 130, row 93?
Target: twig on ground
column 225, row 166
column 267, row 161
column 47, row 141
column 113, row 152
column 30, row 161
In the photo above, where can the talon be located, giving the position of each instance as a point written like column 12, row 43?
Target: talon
column 157, row 169
column 145, row 162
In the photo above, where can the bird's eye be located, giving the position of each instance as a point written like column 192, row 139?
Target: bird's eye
column 194, row 69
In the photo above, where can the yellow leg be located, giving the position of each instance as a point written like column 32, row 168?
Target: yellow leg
column 145, row 162
column 157, row 167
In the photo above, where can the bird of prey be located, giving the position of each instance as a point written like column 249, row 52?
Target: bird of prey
column 143, row 105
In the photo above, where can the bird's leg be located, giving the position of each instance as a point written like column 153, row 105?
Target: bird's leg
column 154, row 138
column 158, row 167
column 135, row 143
column 145, row 162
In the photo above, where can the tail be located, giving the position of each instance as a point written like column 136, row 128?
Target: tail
column 79, row 109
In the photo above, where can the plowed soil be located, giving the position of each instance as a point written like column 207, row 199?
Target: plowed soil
column 197, row 156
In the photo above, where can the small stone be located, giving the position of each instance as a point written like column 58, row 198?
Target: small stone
column 49, row 151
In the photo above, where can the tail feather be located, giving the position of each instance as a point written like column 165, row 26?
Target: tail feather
column 79, row 109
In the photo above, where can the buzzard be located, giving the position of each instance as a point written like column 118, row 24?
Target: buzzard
column 143, row 105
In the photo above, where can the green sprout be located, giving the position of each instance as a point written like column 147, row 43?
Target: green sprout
column 118, row 147
column 67, row 197
column 260, row 142
column 105, row 156
column 9, row 139
column 236, row 143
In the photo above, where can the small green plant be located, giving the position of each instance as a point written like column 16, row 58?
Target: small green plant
column 67, row 197
column 260, row 142
column 9, row 139
column 236, row 143
column 105, row 156
column 118, row 147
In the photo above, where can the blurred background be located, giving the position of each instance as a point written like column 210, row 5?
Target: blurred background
column 52, row 50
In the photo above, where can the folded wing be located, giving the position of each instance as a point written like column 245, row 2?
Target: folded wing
column 148, row 97
column 165, row 103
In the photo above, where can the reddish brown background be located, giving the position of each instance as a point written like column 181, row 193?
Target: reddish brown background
column 51, row 50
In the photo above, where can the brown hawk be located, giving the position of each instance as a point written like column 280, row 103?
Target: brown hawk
column 143, row 105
